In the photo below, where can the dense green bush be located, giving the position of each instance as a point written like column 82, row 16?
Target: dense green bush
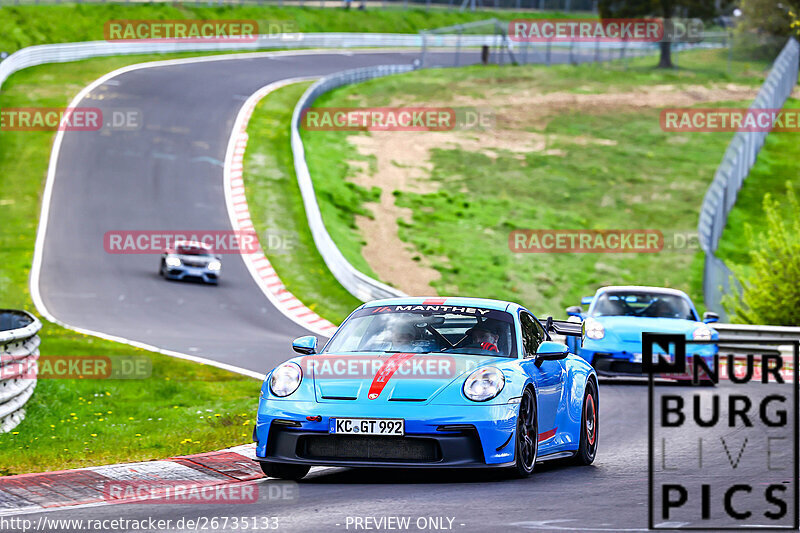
column 771, row 290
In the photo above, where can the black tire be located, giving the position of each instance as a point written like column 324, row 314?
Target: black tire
column 589, row 426
column 161, row 269
column 526, row 439
column 284, row 471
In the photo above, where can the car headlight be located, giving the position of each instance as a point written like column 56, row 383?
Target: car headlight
column 214, row 265
column 285, row 379
column 173, row 262
column 484, row 384
column 594, row 329
column 702, row 334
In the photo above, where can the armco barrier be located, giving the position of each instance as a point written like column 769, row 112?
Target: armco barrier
column 744, row 331
column 19, row 350
column 358, row 284
column 739, row 158
column 60, row 53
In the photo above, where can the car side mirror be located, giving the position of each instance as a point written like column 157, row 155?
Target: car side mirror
column 305, row 345
column 709, row 317
column 574, row 310
column 550, row 351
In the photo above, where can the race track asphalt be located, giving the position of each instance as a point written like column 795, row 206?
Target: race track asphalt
column 168, row 176
column 610, row 495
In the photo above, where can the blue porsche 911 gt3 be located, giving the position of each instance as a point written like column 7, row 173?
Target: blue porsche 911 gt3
column 617, row 317
column 430, row 382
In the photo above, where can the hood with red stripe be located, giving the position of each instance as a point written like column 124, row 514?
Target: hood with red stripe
column 387, row 377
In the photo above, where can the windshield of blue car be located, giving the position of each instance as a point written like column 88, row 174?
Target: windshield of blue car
column 193, row 250
column 426, row 329
column 643, row 304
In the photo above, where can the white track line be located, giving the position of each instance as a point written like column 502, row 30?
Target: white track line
column 38, row 250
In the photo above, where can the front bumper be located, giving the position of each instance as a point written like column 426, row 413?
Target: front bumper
column 627, row 361
column 191, row 273
column 466, row 437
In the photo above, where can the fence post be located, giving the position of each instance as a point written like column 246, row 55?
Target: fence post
column 729, row 42
column 458, row 47
column 422, row 60
column 547, row 60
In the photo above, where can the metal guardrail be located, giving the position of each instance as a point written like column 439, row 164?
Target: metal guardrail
column 64, row 52
column 733, row 331
column 60, row 53
column 752, row 332
column 357, row 283
column 19, row 351
column 739, row 158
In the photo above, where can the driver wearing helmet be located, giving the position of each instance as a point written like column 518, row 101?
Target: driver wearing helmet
column 485, row 335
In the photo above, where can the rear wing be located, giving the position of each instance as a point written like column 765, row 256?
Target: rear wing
column 563, row 327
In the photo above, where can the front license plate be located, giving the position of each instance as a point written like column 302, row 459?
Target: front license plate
column 367, row 426
column 637, row 357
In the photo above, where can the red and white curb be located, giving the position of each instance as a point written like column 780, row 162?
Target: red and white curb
column 28, row 493
column 211, row 473
column 259, row 266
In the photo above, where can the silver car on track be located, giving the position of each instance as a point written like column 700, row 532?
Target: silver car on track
column 191, row 260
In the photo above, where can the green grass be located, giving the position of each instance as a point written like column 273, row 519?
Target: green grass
column 22, row 26
column 275, row 204
column 149, row 418
column 644, row 179
column 777, row 163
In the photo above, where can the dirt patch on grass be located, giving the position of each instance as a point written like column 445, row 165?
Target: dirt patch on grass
column 401, row 165
column 403, row 158
column 529, row 109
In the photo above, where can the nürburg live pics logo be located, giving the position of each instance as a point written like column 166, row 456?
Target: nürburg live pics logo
column 723, row 433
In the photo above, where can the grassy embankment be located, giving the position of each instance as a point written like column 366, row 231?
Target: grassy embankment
column 598, row 161
column 183, row 407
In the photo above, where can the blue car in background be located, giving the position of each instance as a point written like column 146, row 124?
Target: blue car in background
column 617, row 317
column 430, row 383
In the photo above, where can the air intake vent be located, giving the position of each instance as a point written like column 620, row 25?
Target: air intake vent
column 368, row 448
column 407, row 399
column 338, row 397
